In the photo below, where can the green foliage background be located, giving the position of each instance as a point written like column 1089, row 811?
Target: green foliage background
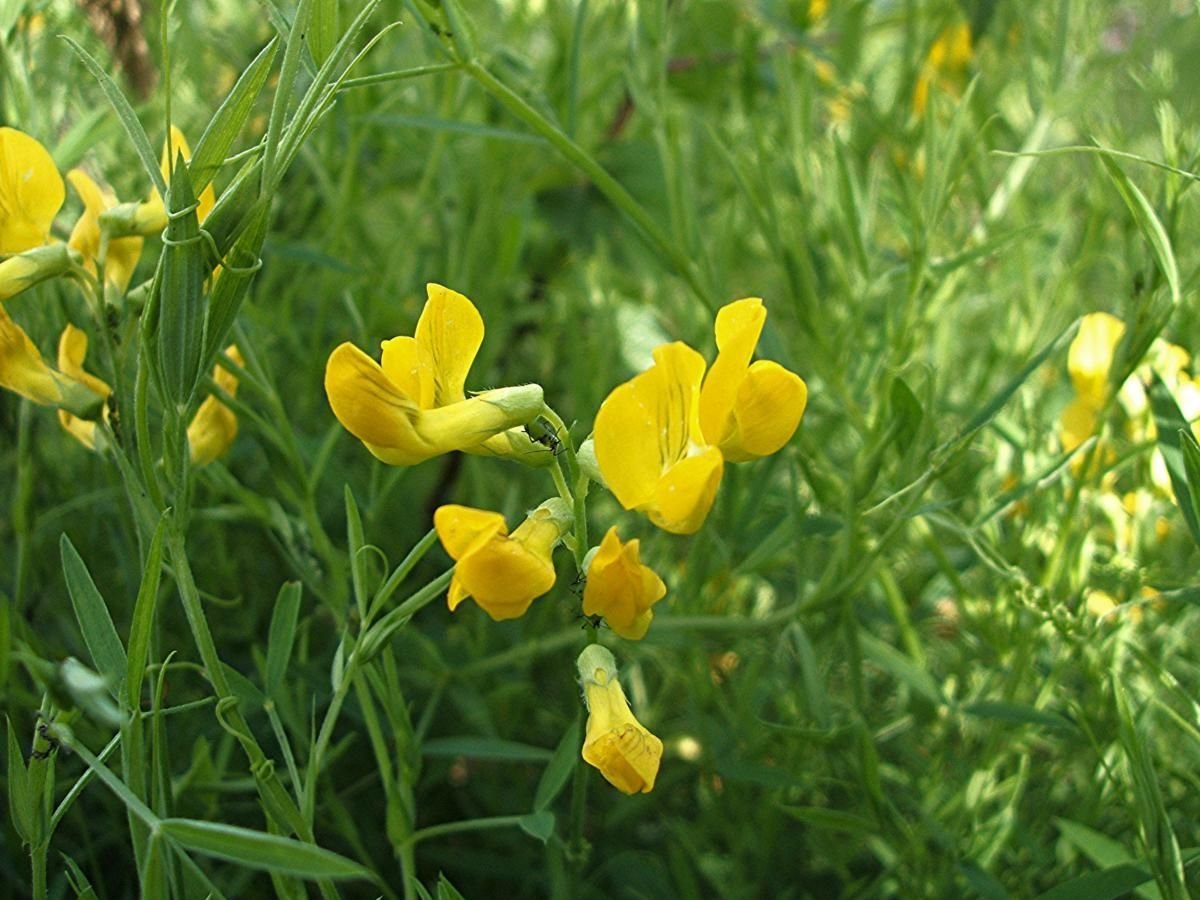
column 876, row 672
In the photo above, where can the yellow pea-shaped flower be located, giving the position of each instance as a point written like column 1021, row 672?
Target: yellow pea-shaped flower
column 24, row 372
column 122, row 254
column 620, row 588
column 413, row 406
column 616, row 743
column 1090, row 357
column 72, row 350
column 503, row 573
column 31, row 192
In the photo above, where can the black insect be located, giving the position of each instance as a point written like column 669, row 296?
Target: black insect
column 52, row 744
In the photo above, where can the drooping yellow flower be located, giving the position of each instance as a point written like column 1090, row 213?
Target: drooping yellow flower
column 122, row 254
column 152, row 214
column 31, row 192
column 414, row 407
column 748, row 409
column 24, row 372
column 504, row 573
column 1090, row 356
column 620, row 588
column 945, row 66
column 213, row 428
column 72, row 350
column 616, row 743
column 661, row 441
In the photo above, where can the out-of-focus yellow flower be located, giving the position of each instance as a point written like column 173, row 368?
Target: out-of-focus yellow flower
column 748, row 409
column 122, row 254
column 504, row 573
column 661, row 440
column 945, row 66
column 817, row 10
column 1090, row 356
column 620, row 588
column 213, row 428
column 72, row 350
column 616, row 743
column 413, row 406
column 31, row 192
column 151, row 215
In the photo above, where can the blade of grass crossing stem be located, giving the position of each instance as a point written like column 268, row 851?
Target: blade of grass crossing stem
column 129, row 120
column 181, row 307
column 259, row 850
column 282, row 635
column 1147, row 222
column 99, row 634
column 559, row 770
column 1162, row 847
column 231, row 117
column 143, row 617
column 323, row 30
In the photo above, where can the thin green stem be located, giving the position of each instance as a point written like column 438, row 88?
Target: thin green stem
column 433, row 831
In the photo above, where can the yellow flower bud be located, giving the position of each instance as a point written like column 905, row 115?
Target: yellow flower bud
column 213, row 428
column 616, row 743
column 620, row 588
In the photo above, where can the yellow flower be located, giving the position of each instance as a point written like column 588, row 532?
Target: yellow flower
column 151, row 215
column 748, row 409
column 945, row 65
column 215, row 425
column 1090, row 357
column 31, row 192
column 620, row 588
column 414, row 407
column 72, row 349
column 661, row 441
column 817, row 10
column 24, row 372
column 616, row 743
column 504, row 573
column 122, row 254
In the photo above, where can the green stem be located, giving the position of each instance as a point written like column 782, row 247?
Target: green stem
column 577, row 849
column 467, row 825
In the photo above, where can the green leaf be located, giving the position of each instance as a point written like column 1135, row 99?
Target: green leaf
column 1147, row 222
column 1190, row 451
column 241, row 262
column 1107, row 884
column 259, row 850
column 282, row 635
column 153, row 874
column 831, row 819
column 79, row 882
column 180, row 288
column 1017, row 713
column 562, row 764
column 485, row 748
column 230, row 118
column 129, row 119
column 323, row 29
column 1171, row 426
column 357, row 543
column 20, row 798
column 902, row 668
column 982, row 881
column 143, row 617
column 1102, row 850
column 447, row 891
column 99, row 633
column 906, row 414
column 538, row 825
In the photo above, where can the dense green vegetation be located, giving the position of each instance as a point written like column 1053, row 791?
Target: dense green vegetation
column 941, row 644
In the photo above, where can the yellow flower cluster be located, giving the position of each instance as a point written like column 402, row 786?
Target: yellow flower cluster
column 945, row 65
column 660, row 443
column 31, row 194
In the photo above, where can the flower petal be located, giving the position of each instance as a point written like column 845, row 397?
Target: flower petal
column 738, row 327
column 31, row 192
column 449, row 334
column 770, row 403
column 504, row 577
column 620, row 588
column 22, row 369
column 463, row 528
column 214, row 427
column 649, row 423
column 401, row 365
column 1090, row 356
column 685, row 494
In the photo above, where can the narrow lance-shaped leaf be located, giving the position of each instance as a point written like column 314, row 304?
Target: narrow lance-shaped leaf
column 282, row 635
column 1172, row 426
column 143, row 616
column 96, row 625
column 181, row 292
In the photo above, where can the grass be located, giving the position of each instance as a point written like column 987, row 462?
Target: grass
column 923, row 651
